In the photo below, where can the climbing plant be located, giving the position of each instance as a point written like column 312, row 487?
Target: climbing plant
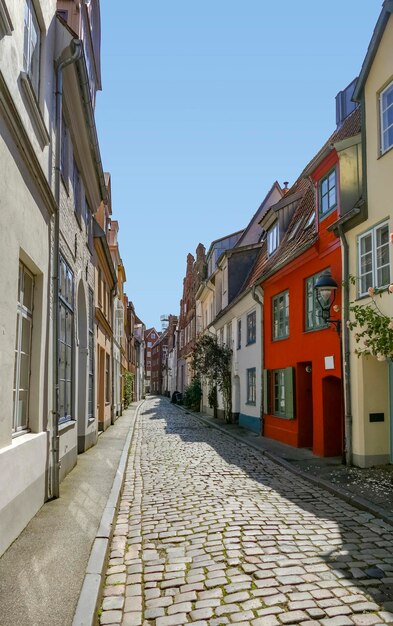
column 192, row 395
column 128, row 388
column 211, row 362
column 373, row 328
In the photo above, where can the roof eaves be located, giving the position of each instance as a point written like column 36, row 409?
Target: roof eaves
column 379, row 29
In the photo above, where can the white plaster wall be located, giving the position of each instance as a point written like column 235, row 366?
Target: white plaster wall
column 22, row 487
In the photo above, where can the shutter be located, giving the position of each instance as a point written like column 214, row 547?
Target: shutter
column 266, row 392
column 289, row 393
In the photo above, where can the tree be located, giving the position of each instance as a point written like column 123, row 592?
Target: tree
column 212, row 363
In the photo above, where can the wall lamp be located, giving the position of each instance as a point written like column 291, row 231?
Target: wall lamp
column 325, row 290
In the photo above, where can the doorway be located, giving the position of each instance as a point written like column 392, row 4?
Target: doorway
column 305, row 404
column 332, row 416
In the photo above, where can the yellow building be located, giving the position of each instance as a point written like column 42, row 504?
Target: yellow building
column 367, row 251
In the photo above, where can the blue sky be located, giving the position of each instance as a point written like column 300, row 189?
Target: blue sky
column 204, row 105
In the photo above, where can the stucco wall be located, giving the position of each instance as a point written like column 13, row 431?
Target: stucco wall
column 370, row 391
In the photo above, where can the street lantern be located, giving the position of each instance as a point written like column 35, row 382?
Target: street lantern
column 325, row 290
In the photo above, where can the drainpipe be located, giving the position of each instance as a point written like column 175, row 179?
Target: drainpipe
column 113, row 294
column 347, row 353
column 76, row 53
column 260, row 302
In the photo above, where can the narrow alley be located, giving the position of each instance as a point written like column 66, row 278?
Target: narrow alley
column 211, row 532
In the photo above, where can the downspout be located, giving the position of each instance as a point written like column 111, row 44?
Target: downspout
column 76, row 53
column 347, row 353
column 260, row 302
column 113, row 293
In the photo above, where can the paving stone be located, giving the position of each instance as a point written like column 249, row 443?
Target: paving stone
column 172, row 620
column 112, row 603
column 293, row 617
column 269, row 620
column 110, row 617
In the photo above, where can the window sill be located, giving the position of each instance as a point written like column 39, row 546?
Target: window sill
column 251, row 343
column 280, row 338
column 64, row 181
column 322, row 216
column 382, row 154
column 91, row 420
column 314, row 330
column 42, row 132
column 251, row 403
column 20, row 433
column 6, row 25
column 283, row 417
column 64, row 426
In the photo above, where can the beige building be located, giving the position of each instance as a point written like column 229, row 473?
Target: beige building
column 105, row 288
column 28, row 206
column 366, row 229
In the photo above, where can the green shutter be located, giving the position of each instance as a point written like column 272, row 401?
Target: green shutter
column 289, row 393
column 266, row 392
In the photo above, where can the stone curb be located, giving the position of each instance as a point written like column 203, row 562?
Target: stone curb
column 86, row 609
column 356, row 501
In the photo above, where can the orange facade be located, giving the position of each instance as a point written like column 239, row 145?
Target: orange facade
column 314, row 355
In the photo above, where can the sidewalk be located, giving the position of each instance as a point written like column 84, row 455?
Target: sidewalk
column 369, row 489
column 41, row 574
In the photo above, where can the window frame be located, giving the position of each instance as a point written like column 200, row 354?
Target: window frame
column 251, row 385
column 23, row 312
column 374, row 268
column 284, row 335
column 251, row 329
column 286, row 389
column 331, row 208
column 273, row 233
column 91, row 389
column 239, row 334
column 323, row 325
column 32, row 22
column 383, row 130
column 66, row 303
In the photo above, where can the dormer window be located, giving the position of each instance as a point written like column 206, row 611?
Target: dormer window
column 386, row 101
column 272, row 238
column 328, row 193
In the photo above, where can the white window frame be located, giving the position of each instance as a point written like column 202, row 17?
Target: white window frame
column 382, row 111
column 273, row 236
column 31, row 64
column 374, row 258
column 251, row 328
column 24, row 312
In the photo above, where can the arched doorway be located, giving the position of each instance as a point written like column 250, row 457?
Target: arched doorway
column 82, row 364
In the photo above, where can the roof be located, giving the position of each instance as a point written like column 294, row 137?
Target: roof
column 387, row 10
column 213, row 243
column 259, row 211
column 299, row 237
column 350, row 126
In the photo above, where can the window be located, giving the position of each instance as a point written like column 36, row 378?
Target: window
column 31, row 46
column 272, row 238
column 283, row 405
column 251, row 386
column 374, row 258
column 153, row 335
column 239, row 334
column 327, row 193
column 229, row 335
column 281, row 315
column 386, row 103
column 64, row 151
column 91, row 356
column 65, row 333
column 24, row 323
column 251, row 327
column 310, row 220
column 149, row 344
column 314, row 318
column 76, row 186
column 107, row 379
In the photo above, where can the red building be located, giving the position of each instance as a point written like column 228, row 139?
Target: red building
column 151, row 336
column 302, row 388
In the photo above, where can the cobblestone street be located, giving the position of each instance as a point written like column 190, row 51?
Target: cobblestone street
column 211, row 532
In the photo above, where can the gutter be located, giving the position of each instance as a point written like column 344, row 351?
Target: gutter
column 347, row 353
column 76, row 51
column 90, row 121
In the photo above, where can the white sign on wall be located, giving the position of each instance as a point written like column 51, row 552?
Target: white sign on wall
column 329, row 362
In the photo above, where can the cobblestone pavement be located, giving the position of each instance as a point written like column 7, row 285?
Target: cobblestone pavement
column 210, row 532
